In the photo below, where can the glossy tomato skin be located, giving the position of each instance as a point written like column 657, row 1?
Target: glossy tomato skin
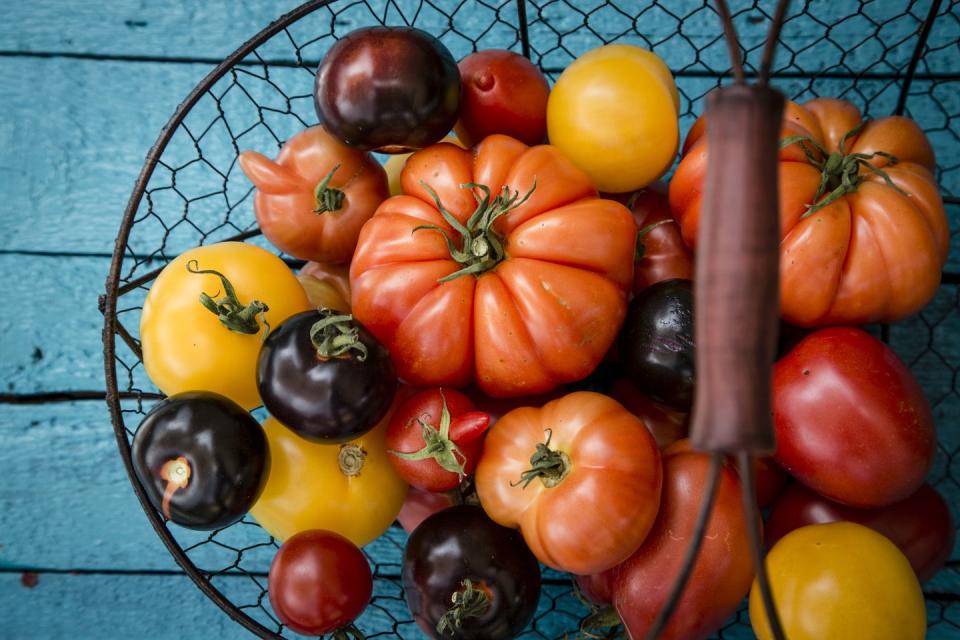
column 920, row 525
column 390, row 89
column 543, row 315
column 657, row 343
column 330, row 400
column 201, row 458
column 600, row 502
column 327, row 285
column 319, row 581
column 405, row 436
column 352, row 488
column 294, row 215
column 838, row 581
column 597, row 587
column 723, row 572
column 502, row 92
column 614, row 113
column 186, row 347
column 462, row 543
column 420, row 505
column 847, row 412
column 661, row 251
column 665, row 424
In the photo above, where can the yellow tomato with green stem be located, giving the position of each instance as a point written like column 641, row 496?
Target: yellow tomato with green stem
column 840, row 581
column 350, row 488
column 207, row 314
column 613, row 112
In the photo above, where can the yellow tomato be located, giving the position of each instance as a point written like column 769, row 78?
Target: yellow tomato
column 349, row 488
column 613, row 112
column 394, row 165
column 186, row 346
column 841, row 581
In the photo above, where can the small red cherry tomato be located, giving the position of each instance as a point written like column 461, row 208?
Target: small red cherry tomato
column 319, row 582
column 852, row 423
column 502, row 92
column 434, row 439
column 920, row 525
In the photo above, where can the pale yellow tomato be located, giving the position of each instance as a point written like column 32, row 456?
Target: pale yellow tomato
column 188, row 347
column 841, row 581
column 613, row 112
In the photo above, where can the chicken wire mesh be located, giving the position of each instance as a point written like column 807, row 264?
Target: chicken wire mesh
column 885, row 56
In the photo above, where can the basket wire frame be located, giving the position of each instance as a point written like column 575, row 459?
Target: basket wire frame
column 884, row 56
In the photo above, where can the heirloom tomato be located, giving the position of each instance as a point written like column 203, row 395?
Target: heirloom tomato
column 851, row 421
column 467, row 578
column 202, row 459
column 723, row 571
column 325, row 377
column 840, row 581
column 661, row 251
column 920, row 525
column 319, row 582
column 434, row 439
column 207, row 314
column 864, row 234
column 499, row 265
column 389, row 89
column 312, row 200
column 502, row 92
column 614, row 113
column 580, row 477
column 350, row 488
column 327, row 285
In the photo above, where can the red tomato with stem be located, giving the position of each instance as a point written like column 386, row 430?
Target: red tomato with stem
column 919, row 525
column 723, row 572
column 852, row 422
column 502, row 92
column 434, row 439
column 319, row 582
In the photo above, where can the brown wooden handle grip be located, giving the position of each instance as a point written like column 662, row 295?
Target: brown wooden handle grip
column 737, row 301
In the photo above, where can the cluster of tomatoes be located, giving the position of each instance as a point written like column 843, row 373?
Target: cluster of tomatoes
column 441, row 357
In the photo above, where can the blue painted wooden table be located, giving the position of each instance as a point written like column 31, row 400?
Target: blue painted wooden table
column 86, row 87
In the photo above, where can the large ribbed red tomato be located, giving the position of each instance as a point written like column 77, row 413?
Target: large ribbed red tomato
column 499, row 264
column 855, row 248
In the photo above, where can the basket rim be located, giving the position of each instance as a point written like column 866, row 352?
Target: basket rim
column 109, row 308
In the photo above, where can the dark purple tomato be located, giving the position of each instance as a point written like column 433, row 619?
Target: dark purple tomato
column 389, row 89
column 201, row 458
column 319, row 582
column 657, row 343
column 323, row 375
column 919, row 525
column 467, row 578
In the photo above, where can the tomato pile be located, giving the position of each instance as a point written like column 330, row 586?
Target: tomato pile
column 492, row 342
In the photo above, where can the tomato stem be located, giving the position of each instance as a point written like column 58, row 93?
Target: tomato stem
column 328, row 198
column 840, row 173
column 437, row 444
column 233, row 314
column 468, row 602
column 351, row 459
column 481, row 246
column 547, row 464
column 336, row 335
column 348, row 632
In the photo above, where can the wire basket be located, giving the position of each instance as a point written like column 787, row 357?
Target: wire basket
column 885, row 56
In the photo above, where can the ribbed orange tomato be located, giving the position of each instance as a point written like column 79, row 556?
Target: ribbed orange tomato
column 864, row 235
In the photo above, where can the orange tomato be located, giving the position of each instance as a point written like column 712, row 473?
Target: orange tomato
column 872, row 252
column 580, row 477
column 521, row 289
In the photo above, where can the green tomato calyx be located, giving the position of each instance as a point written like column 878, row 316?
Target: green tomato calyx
column 470, row 601
column 550, row 465
column 482, row 247
column 437, row 444
column 328, row 198
column 233, row 314
column 337, row 335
